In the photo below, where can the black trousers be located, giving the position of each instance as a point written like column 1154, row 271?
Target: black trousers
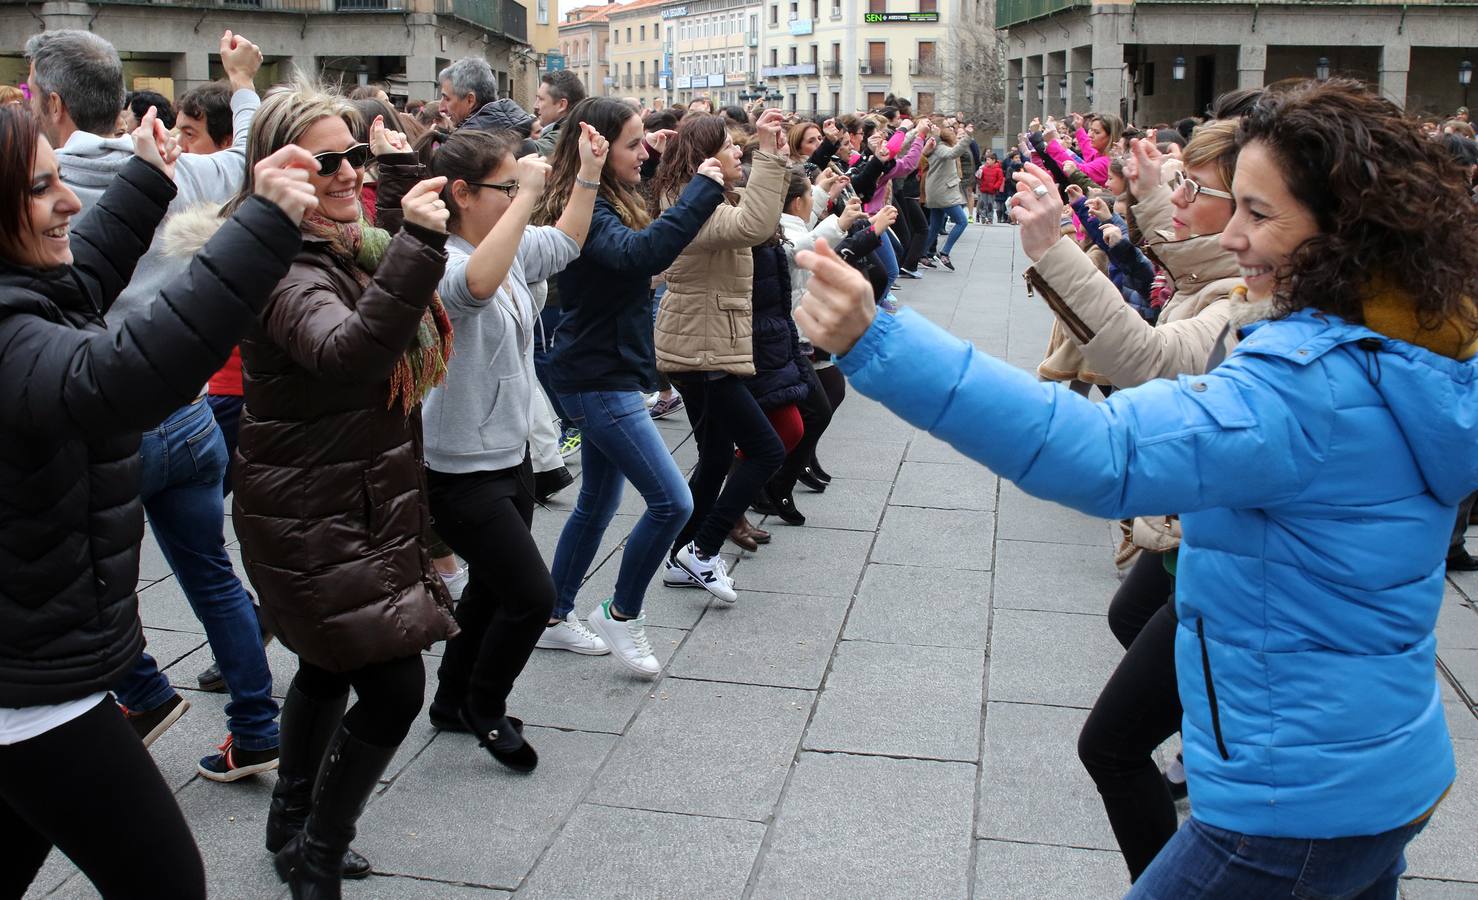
column 1460, row 528
column 485, row 517
column 724, row 415
column 1137, row 711
column 911, row 214
column 90, row 789
column 389, row 696
column 815, row 411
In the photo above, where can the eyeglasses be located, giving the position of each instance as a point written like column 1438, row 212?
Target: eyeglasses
column 330, row 161
column 510, row 188
column 1194, row 189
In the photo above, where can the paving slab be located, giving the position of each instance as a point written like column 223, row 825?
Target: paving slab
column 853, row 504
column 941, row 538
column 1448, row 847
column 1463, row 664
column 646, row 854
column 854, row 826
column 1013, row 871
column 171, row 647
column 1033, row 788
column 866, row 458
column 901, row 701
column 1027, row 518
column 1429, row 889
column 945, row 486
column 782, row 640
column 1054, row 577
column 1462, row 722
column 924, row 606
column 924, row 447
column 559, row 689
column 825, row 562
column 392, row 887
column 1078, row 651
column 458, row 815
column 708, row 749
column 1457, row 623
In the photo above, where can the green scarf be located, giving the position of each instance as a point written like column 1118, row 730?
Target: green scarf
column 361, row 247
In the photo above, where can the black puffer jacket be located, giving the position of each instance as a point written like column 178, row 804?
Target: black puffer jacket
column 778, row 377
column 77, row 395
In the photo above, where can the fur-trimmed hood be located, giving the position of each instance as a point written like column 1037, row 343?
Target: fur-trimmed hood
column 187, row 232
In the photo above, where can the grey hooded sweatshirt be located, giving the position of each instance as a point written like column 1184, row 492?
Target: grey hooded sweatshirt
column 89, row 163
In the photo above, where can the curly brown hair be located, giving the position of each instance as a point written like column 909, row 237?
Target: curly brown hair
column 698, row 137
column 1392, row 207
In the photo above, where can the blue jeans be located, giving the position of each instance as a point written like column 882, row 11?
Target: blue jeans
column 889, row 258
column 1203, row 861
column 544, row 338
column 936, row 226
column 619, row 443
column 182, row 464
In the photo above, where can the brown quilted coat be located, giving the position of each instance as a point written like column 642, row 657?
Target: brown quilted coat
column 329, row 482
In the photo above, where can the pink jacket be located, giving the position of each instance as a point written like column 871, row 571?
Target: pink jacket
column 901, row 169
column 1096, row 168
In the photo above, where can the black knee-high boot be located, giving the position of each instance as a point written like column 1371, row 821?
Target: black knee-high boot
column 312, row 861
column 307, row 726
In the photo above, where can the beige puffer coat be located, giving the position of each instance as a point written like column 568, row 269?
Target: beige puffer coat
column 706, row 320
column 1108, row 342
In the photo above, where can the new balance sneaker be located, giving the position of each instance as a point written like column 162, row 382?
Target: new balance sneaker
column 232, row 764
column 456, row 582
column 572, row 636
column 711, row 573
column 149, row 725
column 908, row 273
column 664, row 408
column 569, row 442
column 627, row 640
column 676, row 576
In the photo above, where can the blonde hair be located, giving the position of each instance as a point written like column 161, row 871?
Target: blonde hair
column 1214, row 144
column 288, row 111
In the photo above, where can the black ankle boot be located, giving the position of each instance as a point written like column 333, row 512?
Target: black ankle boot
column 307, row 726
column 503, row 739
column 820, row 473
column 784, row 506
column 809, row 478
column 312, row 862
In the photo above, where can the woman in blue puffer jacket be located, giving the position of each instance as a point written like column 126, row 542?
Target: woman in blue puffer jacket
column 1308, row 581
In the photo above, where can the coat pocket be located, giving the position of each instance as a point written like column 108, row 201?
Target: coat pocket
column 738, row 311
column 1221, row 746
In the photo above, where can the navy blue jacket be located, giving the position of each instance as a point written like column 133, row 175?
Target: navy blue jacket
column 605, row 341
column 778, row 377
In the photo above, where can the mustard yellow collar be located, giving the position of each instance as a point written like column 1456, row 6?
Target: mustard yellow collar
column 1390, row 312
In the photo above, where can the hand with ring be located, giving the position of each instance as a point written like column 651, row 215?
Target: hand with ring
column 1037, row 209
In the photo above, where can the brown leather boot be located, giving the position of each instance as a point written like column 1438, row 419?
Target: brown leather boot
column 760, row 535
column 741, row 537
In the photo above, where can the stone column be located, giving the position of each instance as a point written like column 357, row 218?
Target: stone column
column 1252, row 63
column 1395, row 66
column 1014, row 121
column 420, row 77
column 1079, row 67
column 189, row 69
column 1108, row 62
column 1055, row 71
column 1031, row 107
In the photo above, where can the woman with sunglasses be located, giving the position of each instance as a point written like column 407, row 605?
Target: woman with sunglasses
column 330, row 491
column 1139, row 708
column 479, row 476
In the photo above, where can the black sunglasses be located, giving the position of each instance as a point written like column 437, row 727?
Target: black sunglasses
column 509, row 188
column 330, row 161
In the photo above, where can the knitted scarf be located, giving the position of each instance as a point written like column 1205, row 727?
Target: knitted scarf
column 361, row 247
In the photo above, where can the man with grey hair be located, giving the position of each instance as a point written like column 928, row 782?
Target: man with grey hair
column 76, row 84
column 467, row 85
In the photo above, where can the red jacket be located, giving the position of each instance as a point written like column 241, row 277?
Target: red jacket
column 992, row 179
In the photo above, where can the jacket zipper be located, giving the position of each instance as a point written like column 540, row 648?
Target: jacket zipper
column 1035, row 283
column 1221, row 746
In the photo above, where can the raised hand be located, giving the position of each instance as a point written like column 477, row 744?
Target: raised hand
column 154, row 145
column 883, row 219
column 1100, row 209
column 850, row 214
column 1112, row 235
column 423, row 206
column 382, row 140
column 1074, row 193
column 594, row 150
column 1037, row 208
column 241, row 59
column 831, row 132
column 660, row 139
column 842, row 183
column 712, row 168
column 1148, row 166
column 1077, row 121
column 771, row 128
column 282, row 179
column 533, row 172
column 837, row 308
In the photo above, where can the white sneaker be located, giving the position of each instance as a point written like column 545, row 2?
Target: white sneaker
column 677, row 577
column 456, row 582
column 628, row 639
column 711, row 574
column 651, row 399
column 572, row 636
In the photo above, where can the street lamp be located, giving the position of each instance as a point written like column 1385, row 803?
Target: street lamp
column 1321, row 69
column 1041, row 89
column 1465, row 77
column 1020, row 89
column 1088, row 89
column 1062, row 89
column 1177, row 70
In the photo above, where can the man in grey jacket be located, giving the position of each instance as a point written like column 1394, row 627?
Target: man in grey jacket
column 76, row 84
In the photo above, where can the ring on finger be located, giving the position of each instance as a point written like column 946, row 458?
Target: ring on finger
column 1040, row 191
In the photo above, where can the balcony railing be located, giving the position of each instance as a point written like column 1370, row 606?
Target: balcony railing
column 1015, row 12
column 925, row 68
column 875, row 67
column 499, row 16
column 834, row 69
column 292, row 6
column 627, row 81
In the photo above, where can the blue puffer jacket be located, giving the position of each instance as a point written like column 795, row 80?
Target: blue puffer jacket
column 1317, row 470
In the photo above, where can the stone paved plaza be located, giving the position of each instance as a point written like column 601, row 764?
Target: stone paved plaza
column 890, row 710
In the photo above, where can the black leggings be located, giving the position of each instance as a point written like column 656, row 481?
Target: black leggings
column 90, row 789
column 815, row 411
column 911, row 213
column 389, row 696
column 1138, row 710
column 724, row 415
column 485, row 517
